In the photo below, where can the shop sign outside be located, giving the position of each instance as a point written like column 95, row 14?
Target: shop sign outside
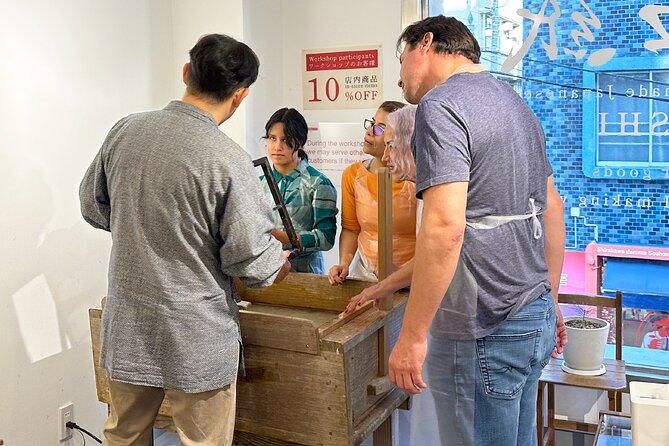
column 586, row 23
column 342, row 78
column 587, row 29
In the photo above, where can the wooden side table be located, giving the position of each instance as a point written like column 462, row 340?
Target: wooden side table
column 613, row 382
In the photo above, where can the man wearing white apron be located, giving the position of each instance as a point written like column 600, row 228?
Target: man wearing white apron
column 489, row 252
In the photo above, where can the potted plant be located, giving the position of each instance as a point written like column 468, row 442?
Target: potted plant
column 584, row 352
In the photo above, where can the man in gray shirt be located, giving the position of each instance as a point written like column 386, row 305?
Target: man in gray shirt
column 186, row 213
column 489, row 251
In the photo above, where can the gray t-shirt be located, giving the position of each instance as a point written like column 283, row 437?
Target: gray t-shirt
column 477, row 129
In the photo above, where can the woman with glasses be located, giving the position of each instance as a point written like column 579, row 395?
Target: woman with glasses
column 358, row 242
column 309, row 196
column 399, row 160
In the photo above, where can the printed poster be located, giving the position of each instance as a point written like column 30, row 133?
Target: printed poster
column 340, row 79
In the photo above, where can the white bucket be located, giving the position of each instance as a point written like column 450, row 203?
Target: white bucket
column 650, row 414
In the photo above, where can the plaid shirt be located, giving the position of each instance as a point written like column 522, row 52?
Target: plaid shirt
column 311, row 201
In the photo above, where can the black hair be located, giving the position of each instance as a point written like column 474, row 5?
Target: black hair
column 219, row 66
column 391, row 106
column 450, row 36
column 295, row 129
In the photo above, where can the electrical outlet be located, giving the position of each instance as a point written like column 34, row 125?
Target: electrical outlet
column 65, row 414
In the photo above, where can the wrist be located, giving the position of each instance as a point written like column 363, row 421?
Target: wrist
column 383, row 288
column 412, row 334
column 345, row 262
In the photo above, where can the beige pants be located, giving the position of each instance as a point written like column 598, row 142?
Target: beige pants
column 201, row 419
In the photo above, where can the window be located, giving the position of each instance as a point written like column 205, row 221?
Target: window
column 486, row 25
column 630, row 127
column 596, row 74
column 626, row 121
column 496, row 26
column 645, row 309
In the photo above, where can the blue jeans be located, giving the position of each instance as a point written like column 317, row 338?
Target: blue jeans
column 485, row 390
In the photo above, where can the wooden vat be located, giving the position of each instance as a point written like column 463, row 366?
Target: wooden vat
column 312, row 378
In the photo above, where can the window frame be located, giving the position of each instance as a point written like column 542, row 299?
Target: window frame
column 594, row 168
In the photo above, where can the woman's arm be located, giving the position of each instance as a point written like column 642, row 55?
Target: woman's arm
column 394, row 282
column 348, row 245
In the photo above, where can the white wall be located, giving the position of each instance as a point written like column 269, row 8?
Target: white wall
column 70, row 69
column 264, row 33
column 192, row 19
column 279, row 30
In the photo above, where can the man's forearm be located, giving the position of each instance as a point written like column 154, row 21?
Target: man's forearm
column 555, row 237
column 438, row 248
column 433, row 272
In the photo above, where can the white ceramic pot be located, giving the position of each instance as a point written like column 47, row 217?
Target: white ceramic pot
column 585, row 346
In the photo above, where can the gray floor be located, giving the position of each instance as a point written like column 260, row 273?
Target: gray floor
column 164, row 438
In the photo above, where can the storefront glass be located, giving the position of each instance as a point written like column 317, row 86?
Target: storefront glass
column 596, row 73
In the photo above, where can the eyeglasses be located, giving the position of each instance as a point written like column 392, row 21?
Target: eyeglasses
column 377, row 130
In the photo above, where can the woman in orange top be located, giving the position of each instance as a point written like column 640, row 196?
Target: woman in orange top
column 358, row 242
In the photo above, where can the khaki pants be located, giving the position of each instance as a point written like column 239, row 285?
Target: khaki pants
column 200, row 419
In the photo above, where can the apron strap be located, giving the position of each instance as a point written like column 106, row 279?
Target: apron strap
column 493, row 221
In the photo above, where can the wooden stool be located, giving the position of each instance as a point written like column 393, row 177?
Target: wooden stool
column 613, row 381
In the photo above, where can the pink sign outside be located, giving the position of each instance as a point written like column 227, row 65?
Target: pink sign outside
column 572, row 279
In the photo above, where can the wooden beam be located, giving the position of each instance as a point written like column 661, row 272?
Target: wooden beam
column 343, row 319
column 249, row 439
column 383, row 435
column 279, row 331
column 587, row 300
column 385, row 258
column 365, row 325
column 385, row 230
column 375, row 418
column 304, row 290
column 379, row 385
